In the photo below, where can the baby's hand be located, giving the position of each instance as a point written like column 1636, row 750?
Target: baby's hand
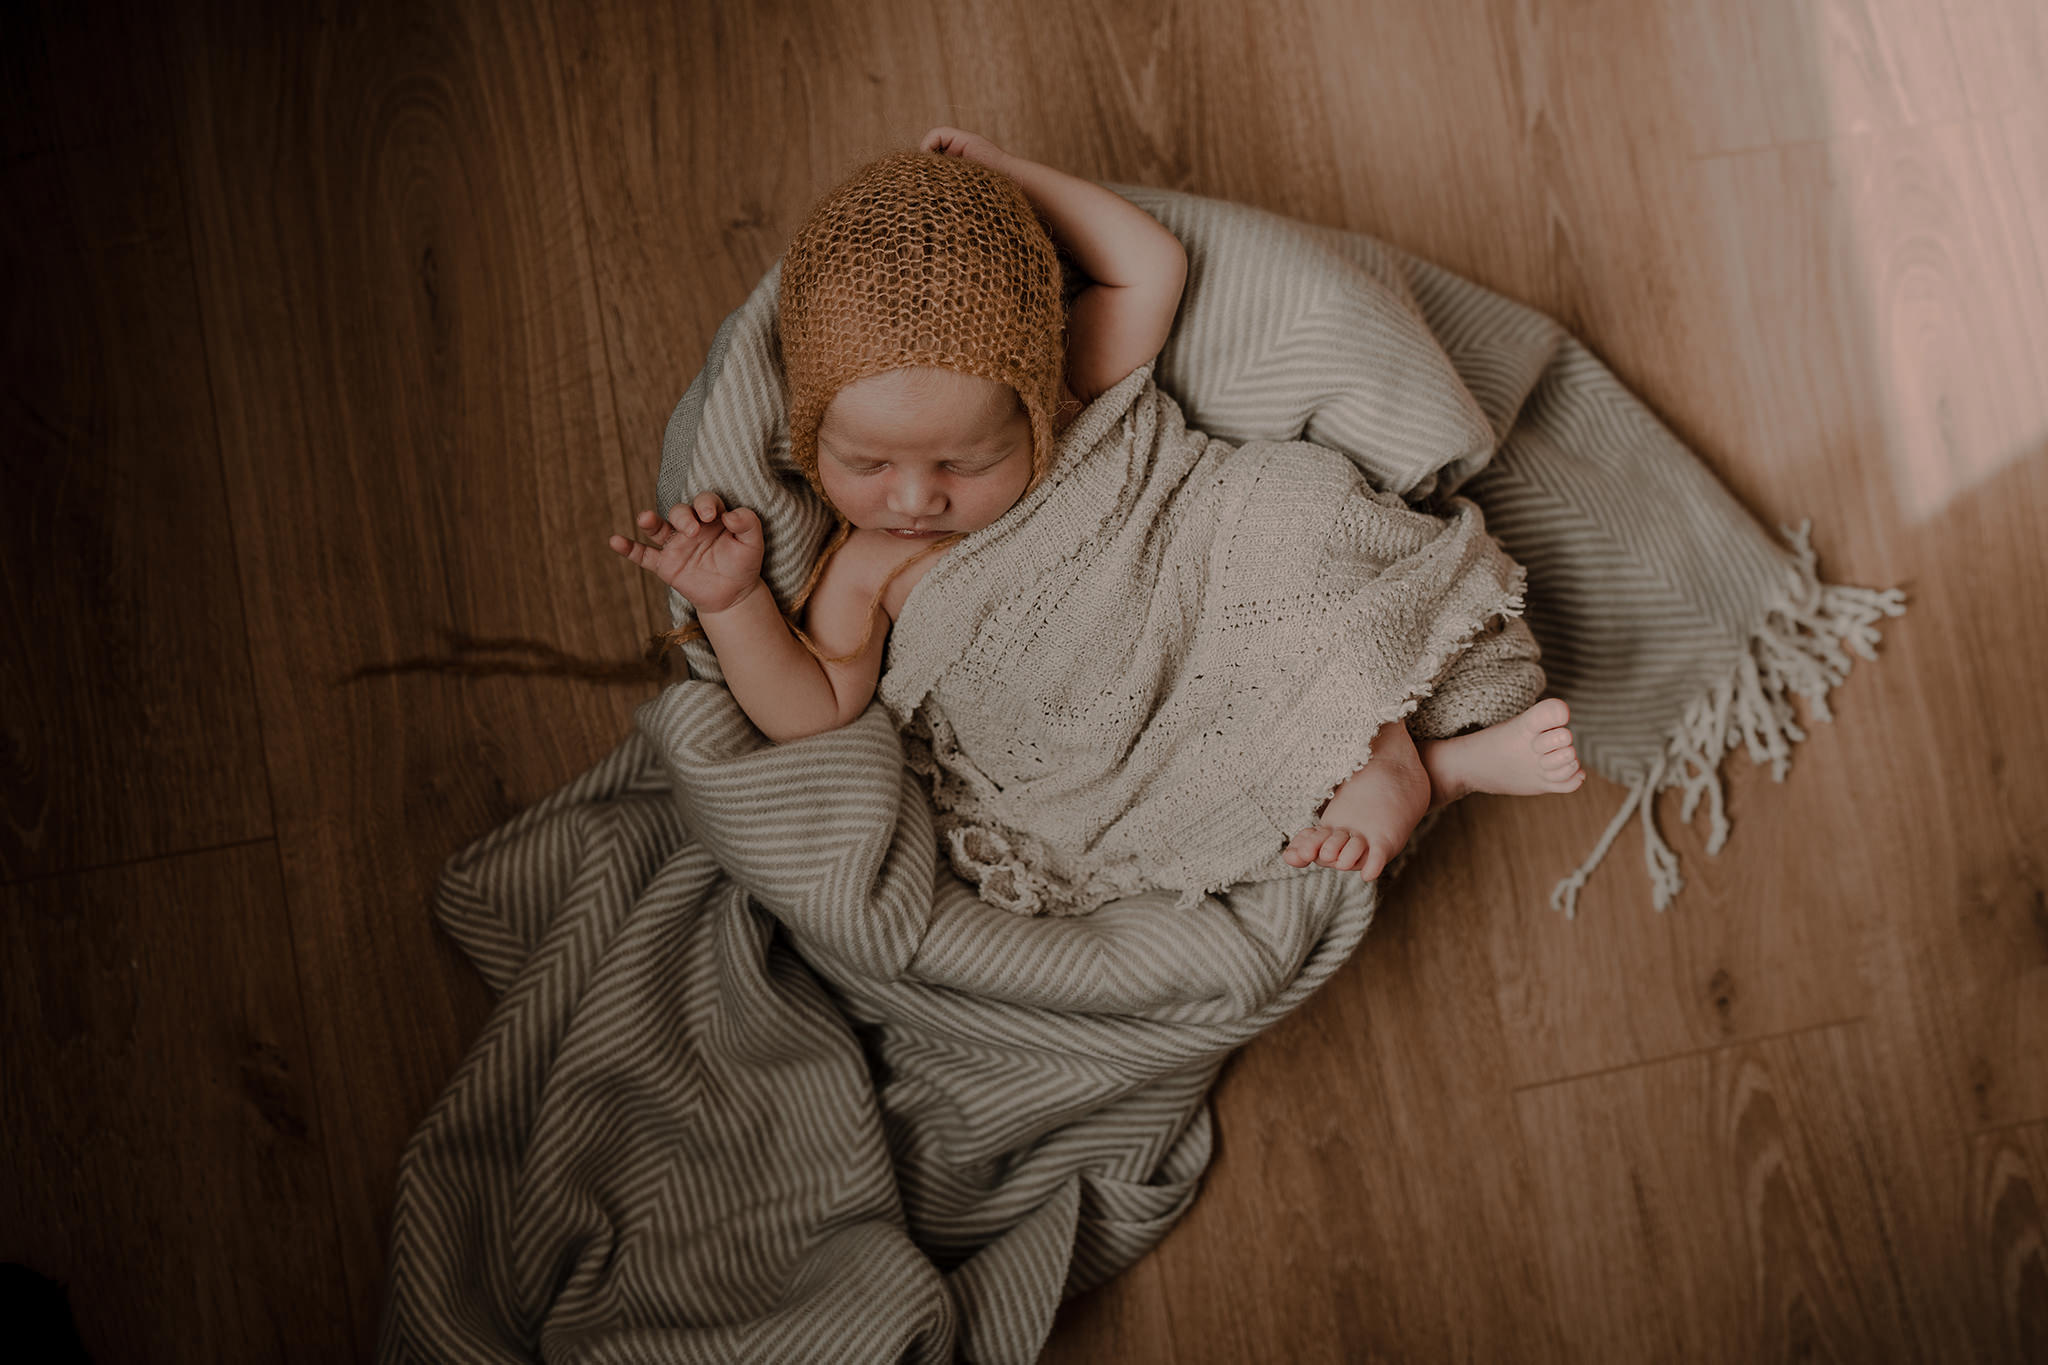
column 710, row 555
column 954, row 142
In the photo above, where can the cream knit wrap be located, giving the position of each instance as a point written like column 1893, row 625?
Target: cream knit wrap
column 1152, row 671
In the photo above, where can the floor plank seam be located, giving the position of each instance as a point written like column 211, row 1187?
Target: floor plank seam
column 1690, row 1052
column 188, row 183
column 57, row 874
column 1859, row 135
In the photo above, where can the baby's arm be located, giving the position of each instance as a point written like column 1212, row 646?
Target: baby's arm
column 1136, row 266
column 712, row 556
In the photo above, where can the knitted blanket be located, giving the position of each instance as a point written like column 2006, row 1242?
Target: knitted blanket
column 1155, row 668
column 768, row 1082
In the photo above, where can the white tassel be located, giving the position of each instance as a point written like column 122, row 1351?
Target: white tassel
column 1657, row 855
column 1565, row 895
column 1797, row 649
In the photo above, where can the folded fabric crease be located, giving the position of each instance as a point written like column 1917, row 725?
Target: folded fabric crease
column 767, row 1081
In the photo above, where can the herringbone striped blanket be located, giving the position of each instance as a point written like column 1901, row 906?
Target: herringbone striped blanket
column 767, row 1082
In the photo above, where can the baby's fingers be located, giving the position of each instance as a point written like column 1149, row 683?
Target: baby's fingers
column 631, row 549
column 708, row 506
column 744, row 524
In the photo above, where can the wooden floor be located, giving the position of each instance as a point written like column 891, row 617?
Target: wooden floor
column 343, row 339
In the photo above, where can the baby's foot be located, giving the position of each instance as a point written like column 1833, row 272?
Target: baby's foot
column 1368, row 819
column 1528, row 755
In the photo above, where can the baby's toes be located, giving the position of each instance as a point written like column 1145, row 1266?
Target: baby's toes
column 1301, row 849
column 1349, row 854
column 1332, row 846
column 1548, row 714
column 1374, row 864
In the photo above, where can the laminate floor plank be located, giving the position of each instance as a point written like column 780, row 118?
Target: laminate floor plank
column 130, row 724
column 416, row 419
column 1897, row 322
column 165, row 1143
column 1713, row 1207
column 2001, row 51
column 1404, row 1053
column 1965, row 842
column 1627, row 213
column 2009, row 1182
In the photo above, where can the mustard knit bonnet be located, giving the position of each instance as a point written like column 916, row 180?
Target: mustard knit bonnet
column 921, row 259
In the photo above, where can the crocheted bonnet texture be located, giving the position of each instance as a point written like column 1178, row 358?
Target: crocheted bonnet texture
column 921, row 259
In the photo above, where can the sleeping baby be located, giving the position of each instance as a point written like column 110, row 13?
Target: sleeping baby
column 1127, row 656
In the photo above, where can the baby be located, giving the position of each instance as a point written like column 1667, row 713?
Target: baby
column 915, row 456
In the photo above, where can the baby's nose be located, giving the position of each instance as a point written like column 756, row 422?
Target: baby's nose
column 915, row 497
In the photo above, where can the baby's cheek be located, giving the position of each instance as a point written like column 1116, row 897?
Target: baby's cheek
column 1013, row 490
column 990, row 508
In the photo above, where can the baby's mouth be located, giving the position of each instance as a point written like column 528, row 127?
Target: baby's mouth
column 906, row 534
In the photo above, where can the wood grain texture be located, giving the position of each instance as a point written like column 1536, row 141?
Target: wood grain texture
column 1753, row 1237
column 165, row 1144
column 1424, row 1256
column 447, row 272
column 127, row 718
column 2009, row 1189
column 417, row 429
column 1901, row 312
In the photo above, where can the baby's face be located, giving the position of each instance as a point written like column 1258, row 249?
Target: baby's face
column 923, row 452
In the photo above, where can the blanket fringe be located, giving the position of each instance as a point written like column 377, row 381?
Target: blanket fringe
column 1799, row 648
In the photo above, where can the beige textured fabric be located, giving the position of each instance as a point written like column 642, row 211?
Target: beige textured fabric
column 921, row 259
column 1154, row 669
column 766, row 1084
